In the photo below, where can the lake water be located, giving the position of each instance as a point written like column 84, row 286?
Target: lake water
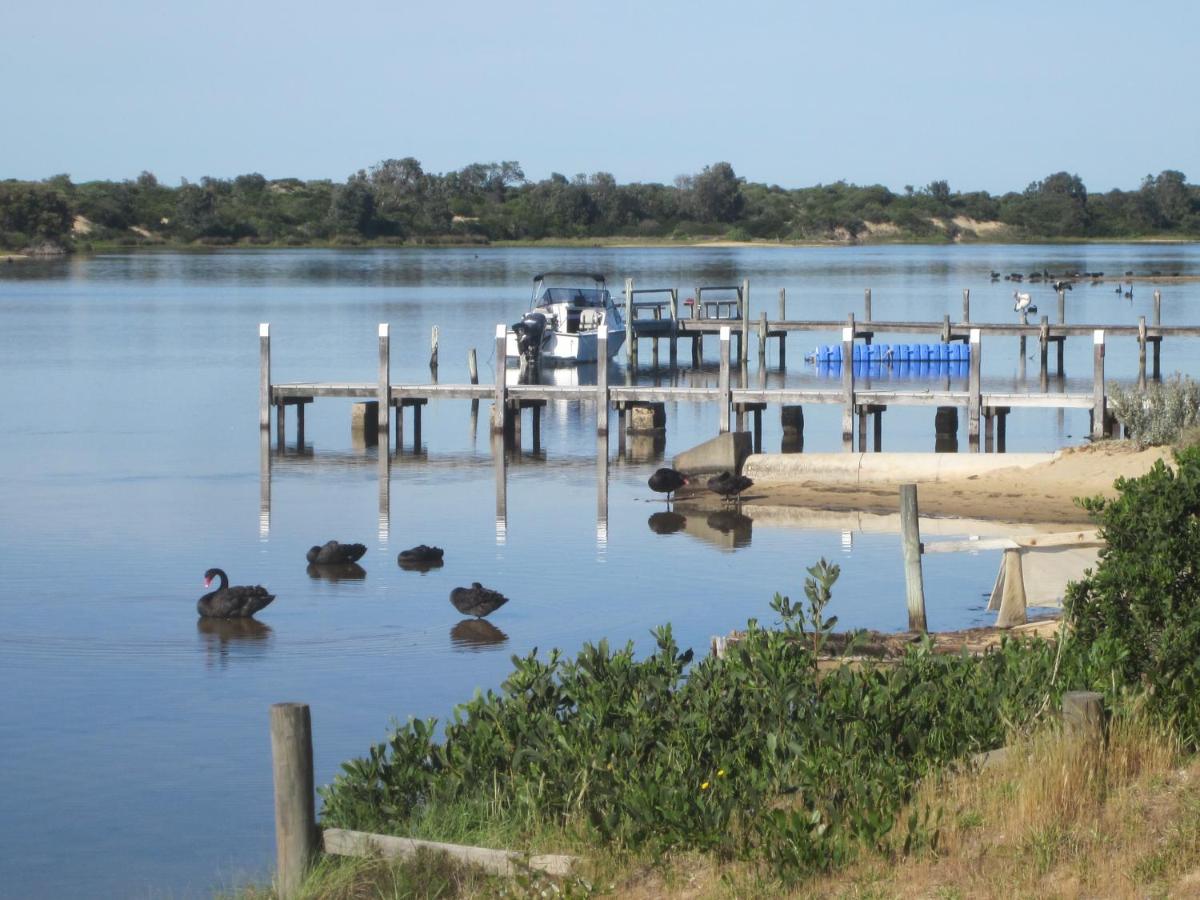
column 134, row 739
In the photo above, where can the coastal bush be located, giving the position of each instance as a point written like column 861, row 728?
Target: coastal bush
column 1159, row 413
column 759, row 753
column 1136, row 618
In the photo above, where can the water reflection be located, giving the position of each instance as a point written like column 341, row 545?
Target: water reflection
column 476, row 634
column 336, row 571
column 422, row 566
column 666, row 522
column 733, row 524
column 222, row 638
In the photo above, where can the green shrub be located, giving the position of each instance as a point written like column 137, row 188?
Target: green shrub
column 1136, row 618
column 1159, row 413
column 757, row 753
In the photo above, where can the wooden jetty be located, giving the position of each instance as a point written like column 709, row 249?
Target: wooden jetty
column 727, row 317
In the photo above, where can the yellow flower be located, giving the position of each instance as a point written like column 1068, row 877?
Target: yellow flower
column 720, row 773
column 704, row 787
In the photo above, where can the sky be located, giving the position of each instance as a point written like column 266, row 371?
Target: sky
column 985, row 95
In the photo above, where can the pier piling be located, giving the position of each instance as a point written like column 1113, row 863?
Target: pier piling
column 264, row 375
column 910, row 539
column 296, row 836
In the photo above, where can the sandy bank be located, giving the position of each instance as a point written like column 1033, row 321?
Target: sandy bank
column 1037, row 492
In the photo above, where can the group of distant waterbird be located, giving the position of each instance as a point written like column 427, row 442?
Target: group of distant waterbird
column 726, row 485
column 337, row 559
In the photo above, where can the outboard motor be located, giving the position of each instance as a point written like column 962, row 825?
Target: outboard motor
column 530, row 332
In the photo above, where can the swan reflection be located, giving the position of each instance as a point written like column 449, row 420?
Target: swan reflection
column 667, row 522
column 476, row 634
column 221, row 637
column 336, row 571
column 419, row 566
column 729, row 522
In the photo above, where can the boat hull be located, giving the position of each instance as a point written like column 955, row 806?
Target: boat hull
column 562, row 349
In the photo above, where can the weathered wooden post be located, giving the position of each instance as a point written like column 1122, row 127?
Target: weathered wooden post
column 783, row 331
column 1044, row 343
column 946, row 328
column 472, row 366
column 910, row 538
column 1141, row 352
column 1098, row 399
column 385, row 378
column 744, row 347
column 602, row 380
column 630, row 337
column 1062, row 319
column 723, row 380
column 848, row 386
column 674, row 351
column 433, row 352
column 698, row 337
column 1013, row 602
column 500, row 404
column 966, row 304
column 1083, row 716
column 973, row 390
column 762, row 340
column 295, row 806
column 264, row 376
column 867, row 306
column 1157, row 371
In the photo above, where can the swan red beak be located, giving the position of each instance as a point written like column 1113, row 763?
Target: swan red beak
column 207, row 581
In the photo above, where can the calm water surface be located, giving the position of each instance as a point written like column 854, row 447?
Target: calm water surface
column 134, row 739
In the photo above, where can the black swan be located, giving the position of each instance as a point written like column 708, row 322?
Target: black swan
column 237, row 602
column 730, row 486
column 333, row 552
column 667, row 481
column 421, row 555
column 476, row 600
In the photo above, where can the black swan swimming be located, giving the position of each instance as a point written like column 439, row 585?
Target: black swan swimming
column 476, row 600
column 421, row 555
column 730, row 486
column 667, row 481
column 333, row 552
column 237, row 602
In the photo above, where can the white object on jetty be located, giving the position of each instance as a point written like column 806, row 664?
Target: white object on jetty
column 573, row 312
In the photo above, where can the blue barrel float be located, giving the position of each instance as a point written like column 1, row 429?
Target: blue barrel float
column 896, row 360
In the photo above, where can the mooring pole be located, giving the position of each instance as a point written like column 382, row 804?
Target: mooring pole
column 910, row 537
column 674, row 328
column 264, row 375
column 500, row 410
column 848, row 386
column 973, row 390
column 602, row 380
column 743, row 347
column 472, row 366
column 782, row 331
column 723, row 380
column 1099, row 406
column 966, row 305
column 630, row 336
column 295, row 808
column 385, row 380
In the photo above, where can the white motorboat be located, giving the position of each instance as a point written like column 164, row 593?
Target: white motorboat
column 564, row 315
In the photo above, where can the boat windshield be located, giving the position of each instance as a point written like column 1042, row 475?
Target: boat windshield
column 575, row 296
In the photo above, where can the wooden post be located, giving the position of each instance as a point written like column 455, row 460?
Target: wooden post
column 1021, row 341
column 472, row 366
column 743, row 346
column 973, row 391
column 1157, row 307
column 877, row 417
column 602, row 380
column 783, row 331
column 966, row 304
column 946, row 328
column 762, row 340
column 867, row 305
column 385, row 378
column 1044, row 341
column 848, row 386
column 1098, row 400
column 1142, row 352
column 264, row 375
column 630, row 337
column 1013, row 601
column 989, row 429
column 1062, row 318
column 1157, row 371
column 674, row 350
column 862, row 428
column 295, row 807
column 910, row 538
column 500, row 409
column 723, row 381
column 1083, row 716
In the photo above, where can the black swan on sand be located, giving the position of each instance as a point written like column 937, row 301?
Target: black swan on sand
column 476, row 600
column 333, row 552
column 730, row 486
column 667, row 481
column 237, row 602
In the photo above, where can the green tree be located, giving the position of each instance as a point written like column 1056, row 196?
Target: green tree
column 717, row 194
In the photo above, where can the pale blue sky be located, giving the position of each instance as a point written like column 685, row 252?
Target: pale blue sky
column 986, row 95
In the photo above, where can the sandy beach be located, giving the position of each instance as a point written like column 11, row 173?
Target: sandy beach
column 1039, row 495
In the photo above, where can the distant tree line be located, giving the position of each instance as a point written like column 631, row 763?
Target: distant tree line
column 398, row 201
